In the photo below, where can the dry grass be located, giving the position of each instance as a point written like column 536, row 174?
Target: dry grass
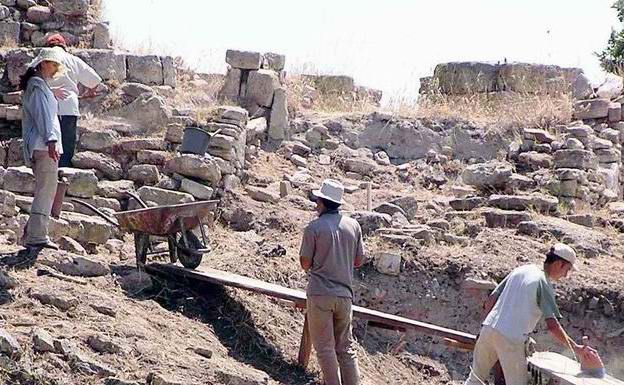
column 8, row 44
column 198, row 93
column 502, row 110
column 302, row 96
column 95, row 10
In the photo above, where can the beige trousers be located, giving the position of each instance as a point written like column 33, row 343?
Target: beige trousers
column 46, row 180
column 492, row 346
column 329, row 322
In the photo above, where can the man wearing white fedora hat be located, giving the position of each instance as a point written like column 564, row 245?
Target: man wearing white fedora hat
column 331, row 247
column 513, row 310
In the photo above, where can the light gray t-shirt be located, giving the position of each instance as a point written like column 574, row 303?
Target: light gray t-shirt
column 524, row 297
column 332, row 242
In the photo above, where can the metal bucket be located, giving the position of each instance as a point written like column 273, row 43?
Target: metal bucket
column 195, row 141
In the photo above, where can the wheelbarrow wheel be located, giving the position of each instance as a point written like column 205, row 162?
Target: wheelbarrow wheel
column 190, row 258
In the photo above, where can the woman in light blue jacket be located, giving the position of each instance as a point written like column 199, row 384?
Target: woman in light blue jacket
column 41, row 133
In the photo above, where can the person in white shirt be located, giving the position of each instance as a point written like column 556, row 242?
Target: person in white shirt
column 65, row 88
column 513, row 310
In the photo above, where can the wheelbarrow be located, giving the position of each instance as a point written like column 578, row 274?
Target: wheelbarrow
column 174, row 222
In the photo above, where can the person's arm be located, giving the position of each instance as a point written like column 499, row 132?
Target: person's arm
column 560, row 335
column 359, row 251
column 87, row 75
column 44, row 118
column 550, row 311
column 493, row 297
column 305, row 262
column 306, row 252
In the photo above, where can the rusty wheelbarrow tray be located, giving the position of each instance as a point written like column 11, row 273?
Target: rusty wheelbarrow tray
column 165, row 220
column 174, row 222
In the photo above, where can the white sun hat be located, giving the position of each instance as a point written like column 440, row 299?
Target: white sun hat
column 565, row 252
column 332, row 190
column 48, row 54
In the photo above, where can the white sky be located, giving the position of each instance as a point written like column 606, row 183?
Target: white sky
column 385, row 44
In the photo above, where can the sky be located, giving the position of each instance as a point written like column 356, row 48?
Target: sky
column 388, row 44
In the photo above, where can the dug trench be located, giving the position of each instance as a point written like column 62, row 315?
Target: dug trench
column 432, row 288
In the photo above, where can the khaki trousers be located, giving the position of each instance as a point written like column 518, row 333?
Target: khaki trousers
column 492, row 346
column 46, row 180
column 329, row 322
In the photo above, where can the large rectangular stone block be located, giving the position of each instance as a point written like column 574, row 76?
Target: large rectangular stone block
column 243, row 59
column 261, row 85
column 231, row 86
column 110, row 65
column 17, row 61
column 145, row 69
column 579, row 159
column 169, row 71
column 592, row 109
column 9, row 32
column 278, row 123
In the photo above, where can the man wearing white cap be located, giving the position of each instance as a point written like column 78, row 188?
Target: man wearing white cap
column 332, row 246
column 513, row 310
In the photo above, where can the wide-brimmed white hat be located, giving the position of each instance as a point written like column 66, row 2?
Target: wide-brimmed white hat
column 565, row 252
column 48, row 54
column 332, row 190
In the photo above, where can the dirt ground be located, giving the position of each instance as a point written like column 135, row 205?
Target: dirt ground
column 159, row 328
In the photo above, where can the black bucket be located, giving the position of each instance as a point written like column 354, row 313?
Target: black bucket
column 195, row 141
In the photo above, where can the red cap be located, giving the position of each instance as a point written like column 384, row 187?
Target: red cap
column 56, row 39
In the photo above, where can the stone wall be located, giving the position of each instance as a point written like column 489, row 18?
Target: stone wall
column 30, row 22
column 576, row 163
column 460, row 78
column 118, row 69
column 256, row 82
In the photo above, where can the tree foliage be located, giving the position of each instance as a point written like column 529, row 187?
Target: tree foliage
column 612, row 57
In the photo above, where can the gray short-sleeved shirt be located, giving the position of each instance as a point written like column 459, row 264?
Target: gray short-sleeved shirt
column 332, row 242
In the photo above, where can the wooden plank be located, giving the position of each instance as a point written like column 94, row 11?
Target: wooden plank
column 566, row 371
column 376, row 317
column 305, row 348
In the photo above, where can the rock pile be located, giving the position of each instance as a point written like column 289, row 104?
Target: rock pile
column 603, row 106
column 30, row 22
column 221, row 168
column 111, row 160
column 255, row 81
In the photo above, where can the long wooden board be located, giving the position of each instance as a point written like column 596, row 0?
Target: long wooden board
column 565, row 371
column 297, row 296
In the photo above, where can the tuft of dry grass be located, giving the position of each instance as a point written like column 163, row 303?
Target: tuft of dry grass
column 303, row 95
column 96, row 10
column 501, row 110
column 197, row 92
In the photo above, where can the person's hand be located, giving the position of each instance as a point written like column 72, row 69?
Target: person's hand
column 60, row 93
column 53, row 152
column 88, row 93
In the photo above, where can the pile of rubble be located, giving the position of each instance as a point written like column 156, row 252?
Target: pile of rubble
column 111, row 160
column 577, row 163
column 30, row 22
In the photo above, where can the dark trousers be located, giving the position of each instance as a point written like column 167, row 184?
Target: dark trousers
column 68, row 135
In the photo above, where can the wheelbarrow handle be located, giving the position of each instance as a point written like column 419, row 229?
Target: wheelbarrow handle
column 138, row 199
column 108, row 219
